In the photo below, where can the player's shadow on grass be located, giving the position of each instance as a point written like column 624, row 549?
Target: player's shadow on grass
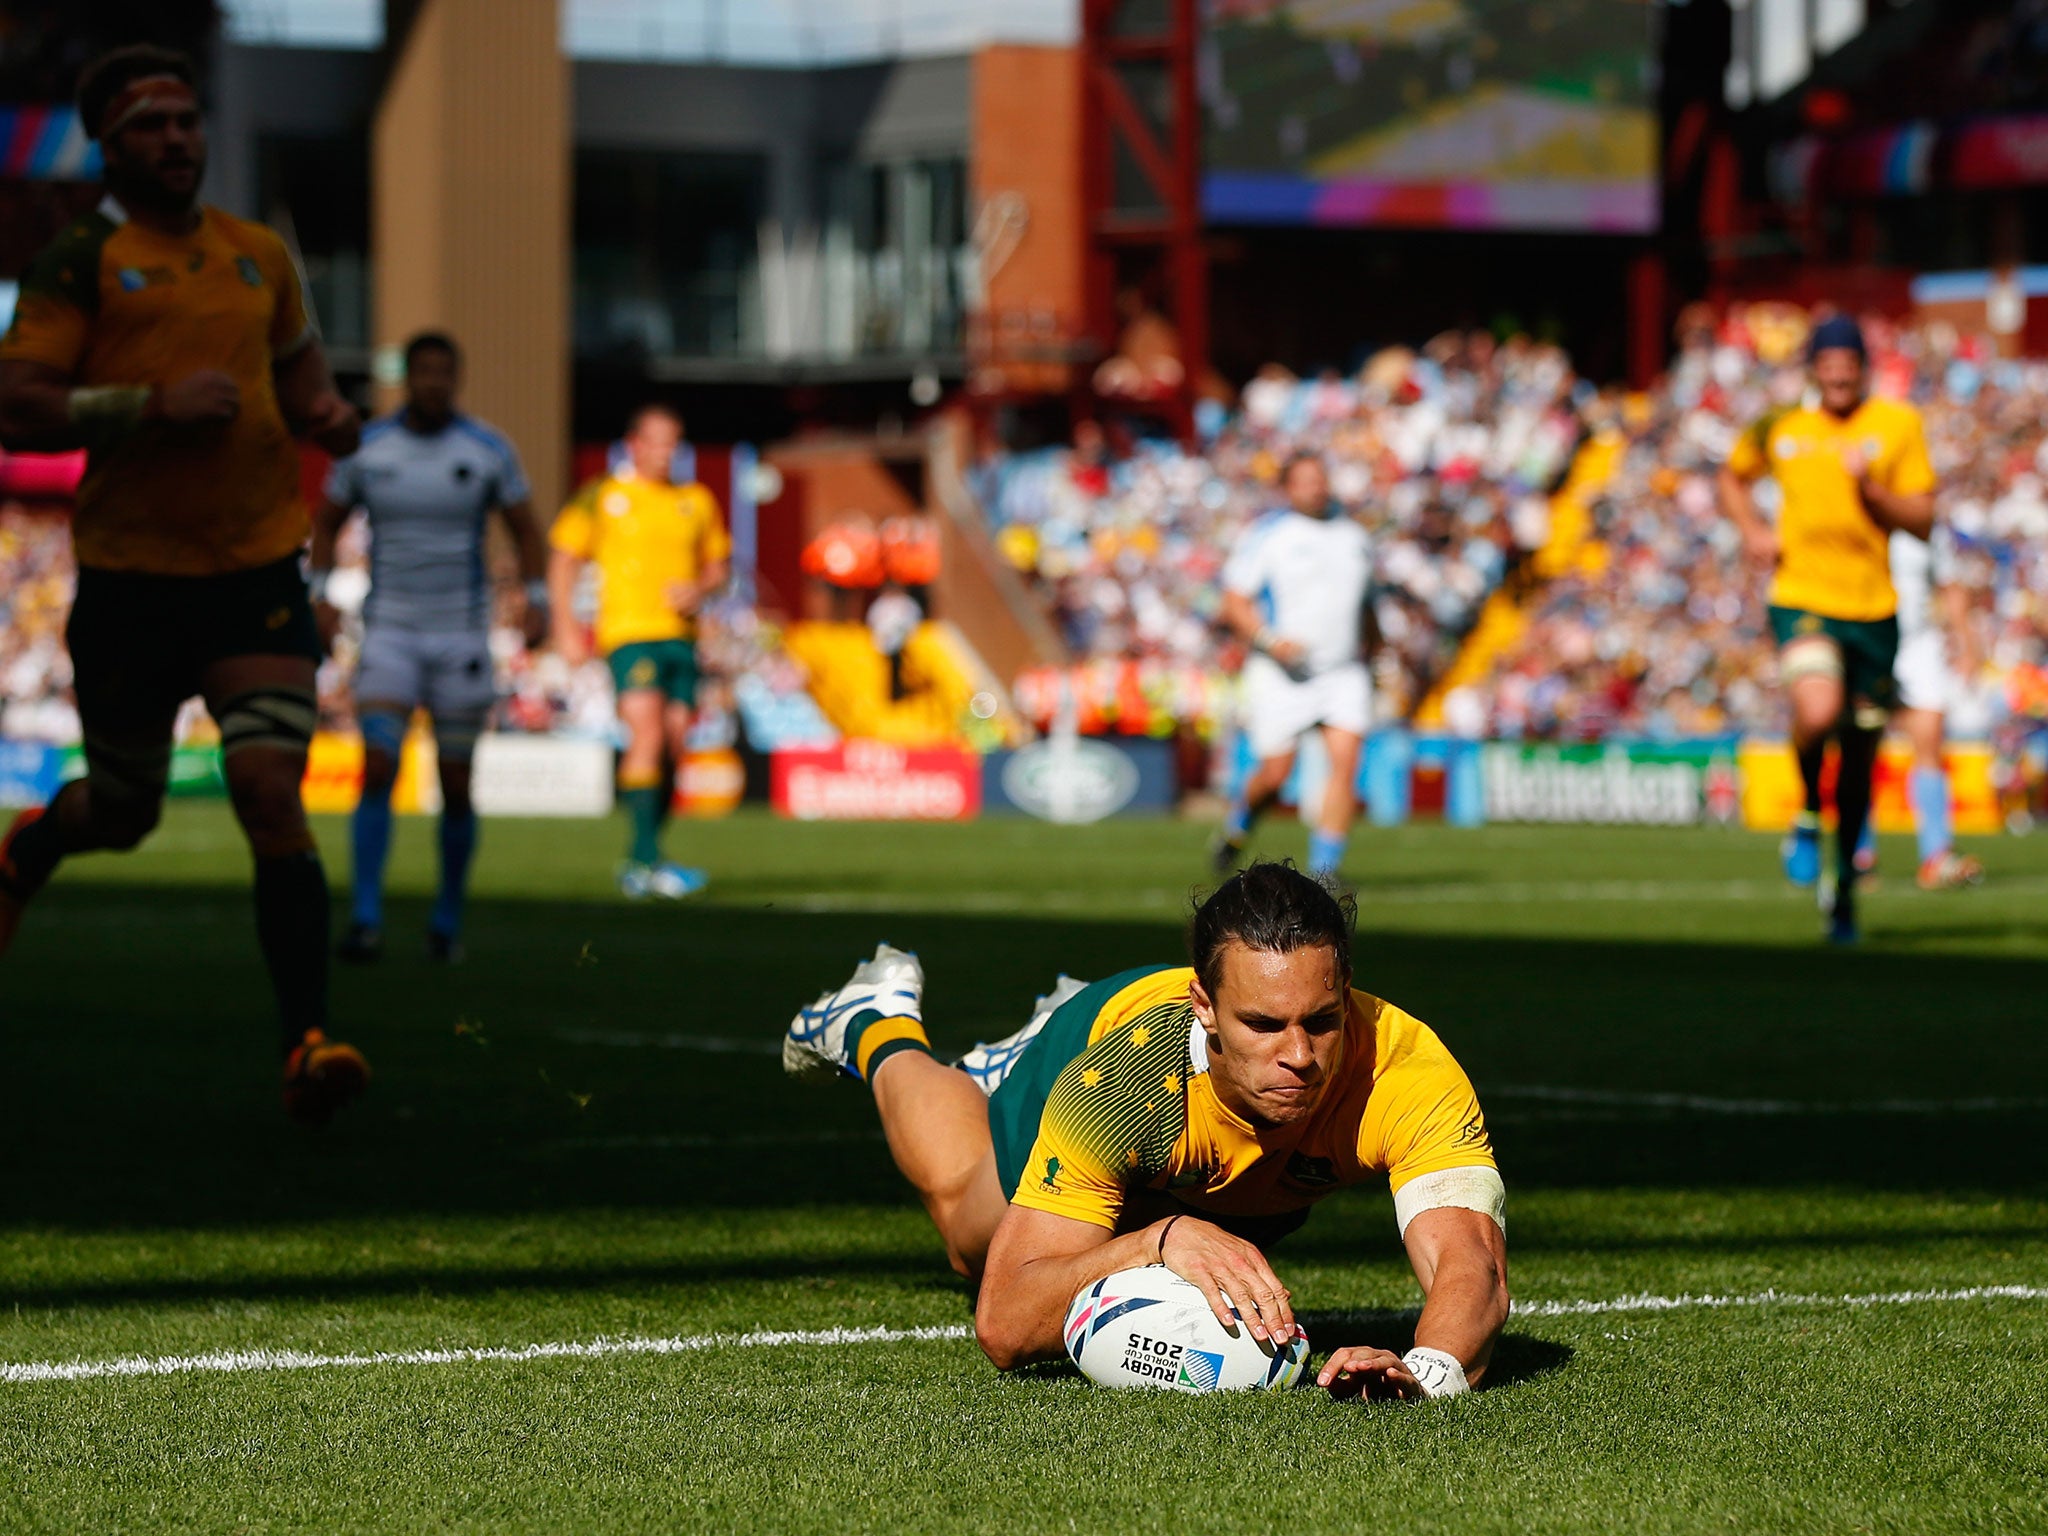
column 922, row 1271
column 1517, row 1357
column 143, row 1089
column 1931, row 936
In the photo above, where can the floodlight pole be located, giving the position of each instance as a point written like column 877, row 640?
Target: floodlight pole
column 1135, row 54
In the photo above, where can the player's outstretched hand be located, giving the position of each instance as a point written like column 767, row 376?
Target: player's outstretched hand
column 200, row 399
column 1205, row 1255
column 333, row 425
column 1359, row 1370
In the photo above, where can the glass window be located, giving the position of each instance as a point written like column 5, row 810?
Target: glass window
column 895, row 257
column 316, row 193
column 668, row 253
column 726, row 31
column 306, row 23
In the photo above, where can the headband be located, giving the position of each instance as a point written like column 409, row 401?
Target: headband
column 149, row 93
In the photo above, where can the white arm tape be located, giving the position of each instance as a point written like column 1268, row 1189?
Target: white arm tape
column 1471, row 1189
column 1438, row 1373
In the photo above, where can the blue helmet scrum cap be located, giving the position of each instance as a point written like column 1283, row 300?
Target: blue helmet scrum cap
column 1836, row 333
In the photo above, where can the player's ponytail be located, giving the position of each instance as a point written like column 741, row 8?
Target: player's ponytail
column 1272, row 907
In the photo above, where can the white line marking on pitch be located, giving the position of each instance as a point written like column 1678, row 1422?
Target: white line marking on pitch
column 1622, row 1099
column 240, row 1361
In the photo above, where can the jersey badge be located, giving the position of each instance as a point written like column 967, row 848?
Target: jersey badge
column 1311, row 1172
column 617, row 504
column 1051, row 1182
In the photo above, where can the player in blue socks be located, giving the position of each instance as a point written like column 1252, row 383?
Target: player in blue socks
column 1294, row 590
column 427, row 477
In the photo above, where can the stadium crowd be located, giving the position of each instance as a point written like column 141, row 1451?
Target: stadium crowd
column 1658, row 628
column 1653, row 628
column 36, row 575
column 1446, row 455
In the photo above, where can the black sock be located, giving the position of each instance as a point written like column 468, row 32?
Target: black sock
column 1811, row 760
column 1852, row 797
column 665, row 801
column 291, row 925
column 38, row 848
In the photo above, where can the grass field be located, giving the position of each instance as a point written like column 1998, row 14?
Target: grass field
column 1778, row 1216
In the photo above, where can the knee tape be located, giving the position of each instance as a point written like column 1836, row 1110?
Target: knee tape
column 384, row 731
column 281, row 718
column 455, row 736
column 1810, row 656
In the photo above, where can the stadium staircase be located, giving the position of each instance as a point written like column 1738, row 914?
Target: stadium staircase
column 1570, row 545
column 942, row 674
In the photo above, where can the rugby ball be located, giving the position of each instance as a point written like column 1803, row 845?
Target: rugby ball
column 1150, row 1328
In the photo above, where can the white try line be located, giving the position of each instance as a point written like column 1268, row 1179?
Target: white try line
column 1709, row 1302
column 1604, row 1098
column 235, row 1362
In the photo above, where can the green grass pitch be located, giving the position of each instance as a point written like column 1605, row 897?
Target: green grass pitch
column 582, row 1134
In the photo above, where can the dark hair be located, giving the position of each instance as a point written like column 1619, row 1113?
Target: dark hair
column 432, row 341
column 654, row 408
column 111, row 73
column 1836, row 333
column 1270, row 907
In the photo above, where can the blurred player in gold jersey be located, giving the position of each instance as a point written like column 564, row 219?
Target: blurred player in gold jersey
column 174, row 343
column 1188, row 1116
column 1851, row 471
column 660, row 552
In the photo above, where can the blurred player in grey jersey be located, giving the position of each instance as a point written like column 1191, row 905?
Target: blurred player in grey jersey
column 428, row 478
column 1933, row 636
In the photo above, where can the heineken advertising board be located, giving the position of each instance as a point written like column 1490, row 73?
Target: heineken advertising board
column 1667, row 784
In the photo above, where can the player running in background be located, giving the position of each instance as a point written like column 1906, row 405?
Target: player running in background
column 1932, row 635
column 1851, row 471
column 174, row 342
column 1294, row 590
column 428, row 478
column 1187, row 1116
column 660, row 552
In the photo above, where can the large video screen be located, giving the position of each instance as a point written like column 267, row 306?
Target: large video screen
column 1443, row 114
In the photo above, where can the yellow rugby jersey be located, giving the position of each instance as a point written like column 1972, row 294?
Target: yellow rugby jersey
column 1834, row 560
column 1136, row 1110
column 112, row 303
column 644, row 538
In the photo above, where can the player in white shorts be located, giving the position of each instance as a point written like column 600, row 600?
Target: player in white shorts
column 428, row 477
column 1930, row 609
column 1295, row 588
